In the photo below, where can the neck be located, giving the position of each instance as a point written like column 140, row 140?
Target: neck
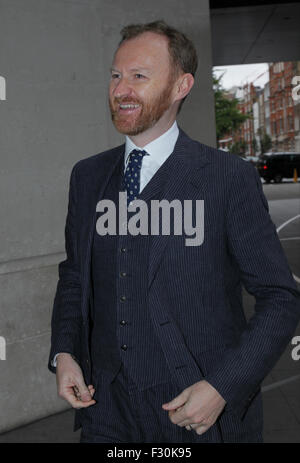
column 142, row 139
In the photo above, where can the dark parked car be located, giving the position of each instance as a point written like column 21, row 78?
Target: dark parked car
column 276, row 166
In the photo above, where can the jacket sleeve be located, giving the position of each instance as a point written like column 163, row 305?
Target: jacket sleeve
column 255, row 246
column 66, row 315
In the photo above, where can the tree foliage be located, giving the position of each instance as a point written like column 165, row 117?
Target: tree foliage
column 265, row 143
column 239, row 147
column 228, row 116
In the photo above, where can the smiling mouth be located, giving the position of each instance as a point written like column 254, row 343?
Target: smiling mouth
column 128, row 108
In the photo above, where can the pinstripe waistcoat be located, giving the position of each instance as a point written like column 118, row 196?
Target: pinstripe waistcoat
column 121, row 326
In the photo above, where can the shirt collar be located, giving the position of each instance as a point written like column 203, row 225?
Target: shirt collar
column 161, row 146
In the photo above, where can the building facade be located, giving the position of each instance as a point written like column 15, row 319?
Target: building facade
column 273, row 113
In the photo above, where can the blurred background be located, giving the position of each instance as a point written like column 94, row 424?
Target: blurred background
column 55, row 57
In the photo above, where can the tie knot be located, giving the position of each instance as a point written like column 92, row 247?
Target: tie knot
column 135, row 158
column 137, row 154
column 140, row 152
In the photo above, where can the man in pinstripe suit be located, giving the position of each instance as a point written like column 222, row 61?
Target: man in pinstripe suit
column 149, row 339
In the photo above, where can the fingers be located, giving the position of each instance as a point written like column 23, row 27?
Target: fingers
column 198, row 428
column 195, row 421
column 201, row 429
column 71, row 385
column 201, row 426
column 199, row 405
column 76, row 401
column 179, row 416
column 187, row 422
column 72, row 396
column 83, row 392
column 178, row 402
column 91, row 389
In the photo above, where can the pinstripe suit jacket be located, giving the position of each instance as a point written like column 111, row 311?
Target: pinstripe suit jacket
column 195, row 298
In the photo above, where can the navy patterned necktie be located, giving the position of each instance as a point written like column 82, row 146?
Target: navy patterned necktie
column 132, row 174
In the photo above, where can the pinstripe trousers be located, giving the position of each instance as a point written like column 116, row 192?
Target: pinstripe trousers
column 123, row 414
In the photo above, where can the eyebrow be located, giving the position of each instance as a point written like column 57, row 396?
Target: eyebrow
column 141, row 69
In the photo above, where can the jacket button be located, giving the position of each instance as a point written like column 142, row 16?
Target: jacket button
column 124, row 347
column 123, row 249
column 123, row 298
column 123, row 322
column 123, row 274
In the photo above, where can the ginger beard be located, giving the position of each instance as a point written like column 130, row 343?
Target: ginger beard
column 146, row 115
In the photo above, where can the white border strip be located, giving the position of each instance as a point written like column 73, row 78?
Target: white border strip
column 287, row 222
column 280, row 383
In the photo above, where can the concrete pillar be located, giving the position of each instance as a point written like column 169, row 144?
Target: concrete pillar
column 55, row 57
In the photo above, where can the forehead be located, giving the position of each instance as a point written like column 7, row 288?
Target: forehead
column 148, row 49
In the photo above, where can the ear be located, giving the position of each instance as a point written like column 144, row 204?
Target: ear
column 184, row 86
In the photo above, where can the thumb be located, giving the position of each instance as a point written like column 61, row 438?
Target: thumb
column 175, row 403
column 84, row 392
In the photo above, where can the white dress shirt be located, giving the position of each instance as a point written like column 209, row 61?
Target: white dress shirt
column 159, row 150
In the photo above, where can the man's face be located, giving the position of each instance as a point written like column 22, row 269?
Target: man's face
column 141, row 83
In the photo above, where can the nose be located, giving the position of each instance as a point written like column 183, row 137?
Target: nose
column 121, row 88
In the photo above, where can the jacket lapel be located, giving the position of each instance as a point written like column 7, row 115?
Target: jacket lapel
column 184, row 181
column 98, row 182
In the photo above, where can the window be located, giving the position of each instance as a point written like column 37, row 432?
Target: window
column 281, row 125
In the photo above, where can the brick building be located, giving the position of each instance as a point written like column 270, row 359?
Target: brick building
column 282, row 114
column 247, row 95
column 272, row 111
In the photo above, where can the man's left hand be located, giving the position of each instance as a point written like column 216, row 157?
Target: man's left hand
column 198, row 405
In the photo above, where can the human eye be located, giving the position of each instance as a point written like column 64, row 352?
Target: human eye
column 115, row 75
column 140, row 76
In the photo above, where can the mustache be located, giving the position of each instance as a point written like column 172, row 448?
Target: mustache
column 126, row 101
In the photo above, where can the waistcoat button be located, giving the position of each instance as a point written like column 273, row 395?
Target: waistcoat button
column 124, row 347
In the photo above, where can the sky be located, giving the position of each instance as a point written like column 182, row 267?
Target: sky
column 242, row 73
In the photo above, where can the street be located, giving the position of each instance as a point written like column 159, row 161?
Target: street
column 281, row 389
column 284, row 206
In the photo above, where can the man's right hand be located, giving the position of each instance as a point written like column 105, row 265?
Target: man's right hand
column 70, row 383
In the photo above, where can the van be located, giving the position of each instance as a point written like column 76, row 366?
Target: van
column 276, row 166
